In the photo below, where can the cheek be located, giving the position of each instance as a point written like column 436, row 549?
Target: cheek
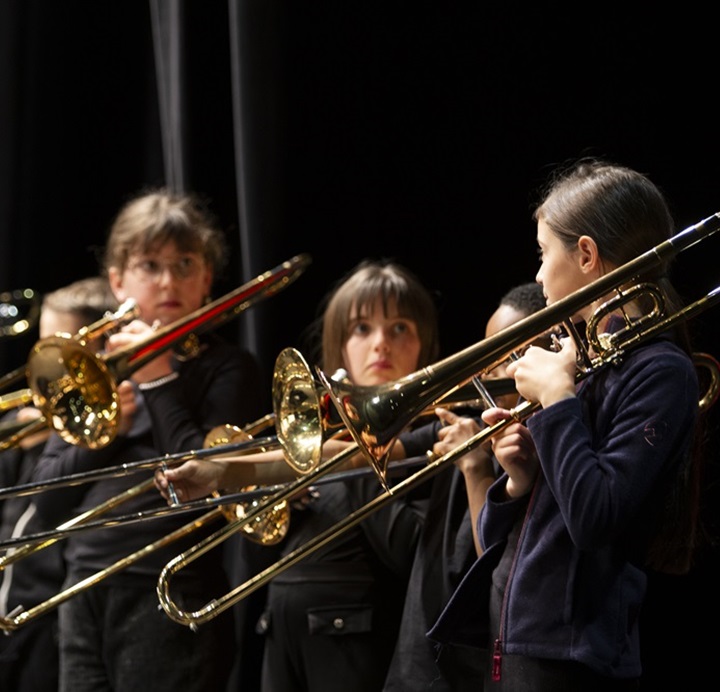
column 200, row 293
column 352, row 358
column 117, row 285
column 411, row 355
column 142, row 295
column 554, row 277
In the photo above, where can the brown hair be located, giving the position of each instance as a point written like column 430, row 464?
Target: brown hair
column 626, row 215
column 158, row 216
column 88, row 298
column 622, row 210
column 359, row 290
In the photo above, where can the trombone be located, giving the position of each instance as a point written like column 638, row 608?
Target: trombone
column 397, row 403
column 266, row 525
column 375, row 415
column 76, row 390
column 268, row 529
column 307, row 423
column 219, row 509
column 73, row 381
column 12, row 433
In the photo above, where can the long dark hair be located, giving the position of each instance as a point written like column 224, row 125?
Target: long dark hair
column 626, row 214
column 358, row 290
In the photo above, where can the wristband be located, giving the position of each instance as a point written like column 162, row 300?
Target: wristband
column 153, row 384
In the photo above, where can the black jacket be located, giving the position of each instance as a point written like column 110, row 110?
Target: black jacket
column 218, row 387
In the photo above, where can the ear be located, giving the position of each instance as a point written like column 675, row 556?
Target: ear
column 116, row 284
column 589, row 257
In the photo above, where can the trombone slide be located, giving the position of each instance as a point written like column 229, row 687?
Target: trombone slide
column 19, row 616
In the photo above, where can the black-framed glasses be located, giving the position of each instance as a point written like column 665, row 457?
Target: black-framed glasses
column 151, row 270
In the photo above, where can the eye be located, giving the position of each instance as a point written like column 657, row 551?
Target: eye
column 186, row 266
column 402, row 328
column 360, row 328
column 149, row 266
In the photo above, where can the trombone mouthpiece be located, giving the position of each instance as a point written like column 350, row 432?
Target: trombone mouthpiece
column 127, row 306
column 339, row 375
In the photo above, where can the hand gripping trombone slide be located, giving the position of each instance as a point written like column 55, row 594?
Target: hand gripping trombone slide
column 376, row 415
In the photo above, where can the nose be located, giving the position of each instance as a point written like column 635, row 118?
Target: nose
column 167, row 274
column 538, row 276
column 380, row 340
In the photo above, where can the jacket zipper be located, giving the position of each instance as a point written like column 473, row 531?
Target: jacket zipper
column 497, row 644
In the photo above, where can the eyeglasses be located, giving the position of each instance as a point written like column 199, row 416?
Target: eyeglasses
column 151, row 270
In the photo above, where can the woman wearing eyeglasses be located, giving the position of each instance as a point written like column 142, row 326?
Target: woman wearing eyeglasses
column 164, row 252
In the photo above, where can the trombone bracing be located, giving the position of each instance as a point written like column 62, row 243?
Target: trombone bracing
column 376, row 415
column 268, row 528
column 249, row 495
column 20, row 616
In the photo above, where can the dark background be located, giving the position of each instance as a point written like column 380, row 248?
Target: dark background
column 414, row 130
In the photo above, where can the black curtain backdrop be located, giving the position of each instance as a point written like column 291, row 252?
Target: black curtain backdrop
column 419, row 131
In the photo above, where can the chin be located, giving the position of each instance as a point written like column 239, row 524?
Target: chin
column 378, row 379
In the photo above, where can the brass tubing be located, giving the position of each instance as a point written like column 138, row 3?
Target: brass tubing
column 30, row 547
column 374, row 416
column 20, row 617
column 73, row 526
column 76, row 390
column 92, row 476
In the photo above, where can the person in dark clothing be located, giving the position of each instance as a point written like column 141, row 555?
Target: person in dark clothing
column 597, row 488
column 164, row 251
column 447, row 544
column 29, row 654
column 332, row 619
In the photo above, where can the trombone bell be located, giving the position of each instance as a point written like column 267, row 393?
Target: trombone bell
column 267, row 528
column 75, row 385
column 296, row 405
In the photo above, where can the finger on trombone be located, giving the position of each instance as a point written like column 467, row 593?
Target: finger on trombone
column 169, row 486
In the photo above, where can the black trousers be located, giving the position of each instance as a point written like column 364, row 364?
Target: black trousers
column 117, row 638
column 29, row 657
column 324, row 637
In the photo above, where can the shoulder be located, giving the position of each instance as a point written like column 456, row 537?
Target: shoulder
column 658, row 355
column 658, row 369
column 216, row 349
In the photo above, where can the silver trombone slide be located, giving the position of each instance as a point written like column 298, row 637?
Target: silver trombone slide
column 247, row 446
column 395, row 468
